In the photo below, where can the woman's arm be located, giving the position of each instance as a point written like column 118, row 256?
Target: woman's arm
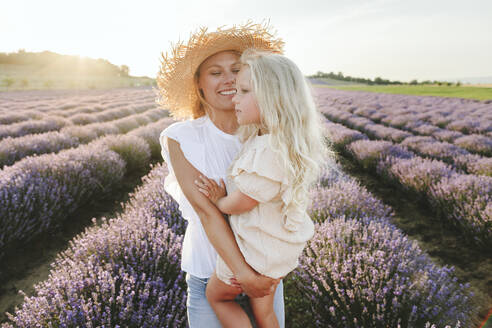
column 234, row 203
column 217, row 229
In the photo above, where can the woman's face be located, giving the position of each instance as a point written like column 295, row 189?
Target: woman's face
column 216, row 79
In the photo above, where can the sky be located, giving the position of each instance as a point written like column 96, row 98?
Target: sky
column 392, row 39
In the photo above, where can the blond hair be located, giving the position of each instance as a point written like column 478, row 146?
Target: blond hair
column 290, row 116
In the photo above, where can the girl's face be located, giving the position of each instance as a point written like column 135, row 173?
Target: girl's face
column 247, row 110
column 216, row 79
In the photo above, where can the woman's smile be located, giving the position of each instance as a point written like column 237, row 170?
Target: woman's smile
column 228, row 92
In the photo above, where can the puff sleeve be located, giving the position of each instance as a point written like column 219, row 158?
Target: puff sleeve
column 257, row 174
column 258, row 187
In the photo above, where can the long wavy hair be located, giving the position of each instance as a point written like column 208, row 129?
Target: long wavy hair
column 289, row 115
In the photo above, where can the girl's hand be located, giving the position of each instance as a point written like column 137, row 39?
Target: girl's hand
column 211, row 189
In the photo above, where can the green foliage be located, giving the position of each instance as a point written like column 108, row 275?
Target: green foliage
column 341, row 77
column 8, row 81
column 59, row 64
column 377, row 81
column 124, row 70
column 479, row 93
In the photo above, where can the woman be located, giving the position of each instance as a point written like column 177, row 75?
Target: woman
column 197, row 81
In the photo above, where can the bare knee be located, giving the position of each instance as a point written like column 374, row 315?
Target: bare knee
column 218, row 291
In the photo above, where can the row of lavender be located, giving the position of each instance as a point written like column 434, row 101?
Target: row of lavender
column 123, row 273
column 463, row 200
column 85, row 107
column 14, row 149
column 442, row 115
column 425, row 146
column 476, row 143
column 66, row 101
column 39, row 192
column 358, row 271
column 48, row 122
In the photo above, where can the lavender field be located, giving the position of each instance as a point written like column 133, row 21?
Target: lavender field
column 400, row 159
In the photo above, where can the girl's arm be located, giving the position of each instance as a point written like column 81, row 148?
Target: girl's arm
column 234, row 203
column 217, row 229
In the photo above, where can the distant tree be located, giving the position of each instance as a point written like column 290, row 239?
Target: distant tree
column 124, row 70
column 8, row 81
column 62, row 64
column 414, row 82
column 458, row 84
column 339, row 76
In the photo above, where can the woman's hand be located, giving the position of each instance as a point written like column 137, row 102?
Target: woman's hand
column 211, row 189
column 256, row 285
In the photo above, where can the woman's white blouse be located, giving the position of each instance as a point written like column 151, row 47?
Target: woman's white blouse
column 211, row 151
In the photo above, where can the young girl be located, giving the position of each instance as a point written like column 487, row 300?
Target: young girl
column 267, row 183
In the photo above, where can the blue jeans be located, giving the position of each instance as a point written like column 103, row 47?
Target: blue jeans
column 200, row 313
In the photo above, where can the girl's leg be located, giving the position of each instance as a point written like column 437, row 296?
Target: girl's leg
column 199, row 312
column 221, row 298
column 263, row 312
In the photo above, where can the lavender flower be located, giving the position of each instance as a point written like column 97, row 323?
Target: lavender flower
column 366, row 273
column 419, row 174
column 23, row 128
column 340, row 135
column 124, row 272
column 40, row 192
column 369, row 152
column 345, row 198
column 466, row 201
column 476, row 143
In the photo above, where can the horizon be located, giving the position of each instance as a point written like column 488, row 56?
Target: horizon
column 391, row 39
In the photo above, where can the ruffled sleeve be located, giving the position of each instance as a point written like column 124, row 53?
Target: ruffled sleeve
column 258, row 187
column 258, row 173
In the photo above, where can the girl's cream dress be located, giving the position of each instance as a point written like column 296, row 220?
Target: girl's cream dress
column 270, row 241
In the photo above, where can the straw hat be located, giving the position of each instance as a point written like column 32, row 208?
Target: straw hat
column 175, row 80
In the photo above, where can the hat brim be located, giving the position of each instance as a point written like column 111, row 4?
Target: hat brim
column 175, row 79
